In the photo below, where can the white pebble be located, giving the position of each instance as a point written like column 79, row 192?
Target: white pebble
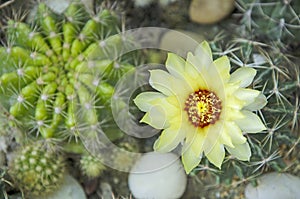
column 210, row 11
column 142, row 3
column 274, row 185
column 157, row 176
column 70, row 189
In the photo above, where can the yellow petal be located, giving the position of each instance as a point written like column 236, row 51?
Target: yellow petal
column 223, row 67
column 234, row 103
column 146, row 100
column 259, row 102
column 167, row 84
column 231, row 88
column 189, row 159
column 194, row 78
column 251, row 123
column 197, row 143
column 212, row 135
column 169, row 139
column 175, row 65
column 225, row 139
column 240, row 151
column 200, row 63
column 207, row 71
column 233, row 114
column 156, row 117
column 243, row 75
column 235, row 133
column 203, row 51
column 173, row 100
column 247, row 95
column 216, row 154
column 190, row 69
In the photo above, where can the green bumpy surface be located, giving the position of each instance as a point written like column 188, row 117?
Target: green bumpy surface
column 275, row 20
column 48, row 80
column 91, row 166
column 37, row 172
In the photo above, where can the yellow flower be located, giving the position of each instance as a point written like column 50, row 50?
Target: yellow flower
column 203, row 107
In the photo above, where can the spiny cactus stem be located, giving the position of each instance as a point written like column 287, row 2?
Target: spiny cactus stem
column 292, row 148
column 280, row 110
column 6, row 4
column 285, row 87
column 289, row 85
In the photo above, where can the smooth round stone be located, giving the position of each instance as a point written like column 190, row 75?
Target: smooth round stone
column 157, row 176
column 276, row 186
column 59, row 6
column 210, row 11
column 70, row 189
column 142, row 3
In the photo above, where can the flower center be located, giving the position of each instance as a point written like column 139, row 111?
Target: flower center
column 203, row 108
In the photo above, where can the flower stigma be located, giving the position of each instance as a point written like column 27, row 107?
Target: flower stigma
column 203, row 108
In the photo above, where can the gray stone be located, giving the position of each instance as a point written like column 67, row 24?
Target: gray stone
column 276, row 186
column 59, row 6
column 210, row 11
column 158, row 175
column 70, row 189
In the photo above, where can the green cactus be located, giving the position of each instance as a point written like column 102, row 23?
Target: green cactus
column 37, row 172
column 4, row 183
column 57, row 75
column 91, row 166
column 48, row 71
column 277, row 20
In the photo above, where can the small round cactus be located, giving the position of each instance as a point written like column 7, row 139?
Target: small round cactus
column 37, row 172
column 91, row 166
